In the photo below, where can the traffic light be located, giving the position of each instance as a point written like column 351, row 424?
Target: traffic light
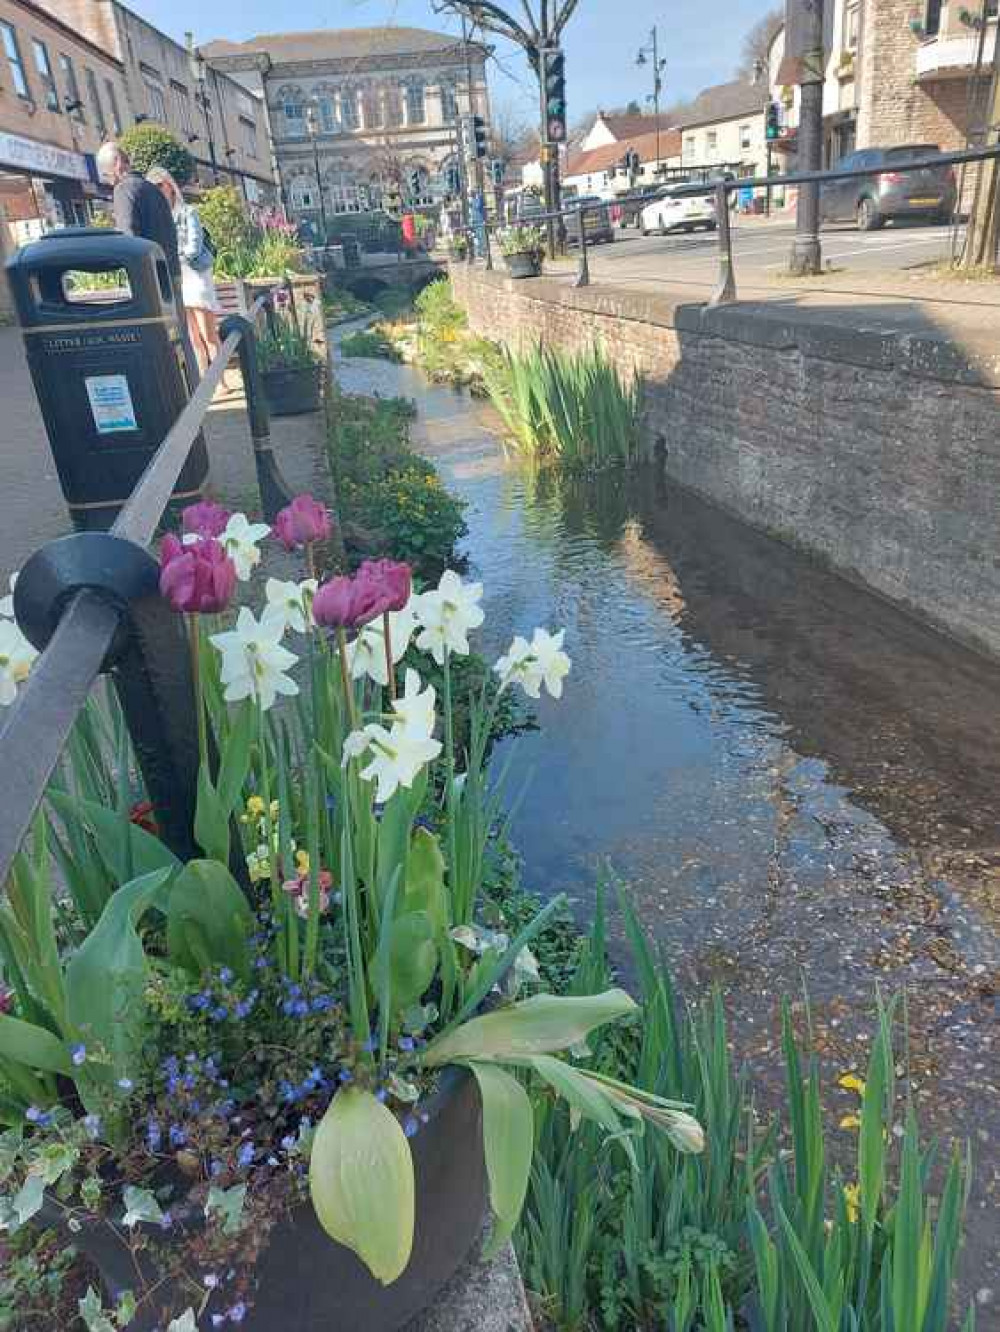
column 773, row 121
column 413, row 180
column 553, row 73
column 478, row 137
column 454, row 180
column 497, row 171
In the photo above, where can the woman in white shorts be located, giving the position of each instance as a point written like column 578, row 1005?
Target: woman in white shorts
column 197, row 284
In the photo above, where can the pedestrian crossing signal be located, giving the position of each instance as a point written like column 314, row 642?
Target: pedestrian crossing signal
column 553, row 75
column 773, row 121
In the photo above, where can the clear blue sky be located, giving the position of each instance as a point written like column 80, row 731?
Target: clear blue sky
column 700, row 39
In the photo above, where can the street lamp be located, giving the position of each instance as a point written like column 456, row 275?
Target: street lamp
column 659, row 65
column 312, row 128
column 197, row 67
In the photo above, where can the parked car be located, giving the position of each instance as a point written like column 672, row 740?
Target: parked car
column 679, row 212
column 890, row 191
column 597, row 220
column 630, row 209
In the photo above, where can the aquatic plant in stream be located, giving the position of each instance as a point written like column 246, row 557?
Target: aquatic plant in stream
column 277, row 1029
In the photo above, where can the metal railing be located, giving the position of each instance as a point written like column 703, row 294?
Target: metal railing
column 725, row 290
column 90, row 601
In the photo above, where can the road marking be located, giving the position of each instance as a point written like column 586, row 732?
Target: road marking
column 876, row 249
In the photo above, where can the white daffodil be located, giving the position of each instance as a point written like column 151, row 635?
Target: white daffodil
column 16, row 659
column 240, row 543
column 367, row 652
column 254, row 664
column 396, row 755
column 531, row 665
column 7, row 603
column 290, row 604
column 446, row 614
column 416, row 707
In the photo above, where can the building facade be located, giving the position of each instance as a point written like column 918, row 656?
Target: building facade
column 222, row 122
column 600, row 171
column 725, row 127
column 360, row 118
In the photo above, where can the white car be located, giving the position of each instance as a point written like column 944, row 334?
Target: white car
column 679, row 213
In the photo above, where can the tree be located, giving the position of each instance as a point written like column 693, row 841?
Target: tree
column 982, row 235
column 757, row 42
column 512, row 132
column 153, row 145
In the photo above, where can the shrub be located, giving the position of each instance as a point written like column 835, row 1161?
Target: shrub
column 369, row 342
column 154, row 145
column 225, row 215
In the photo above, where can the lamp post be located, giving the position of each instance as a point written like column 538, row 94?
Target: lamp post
column 659, row 65
column 196, row 64
column 312, row 128
column 761, row 70
column 804, row 18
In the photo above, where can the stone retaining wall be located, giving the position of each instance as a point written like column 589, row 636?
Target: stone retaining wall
column 876, row 451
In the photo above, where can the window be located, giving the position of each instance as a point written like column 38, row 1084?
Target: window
column 95, row 103
column 182, row 106
column 371, row 107
column 851, row 29
column 349, row 109
column 711, row 140
column 746, row 136
column 690, row 145
column 303, row 194
column 157, row 102
column 295, row 117
column 343, row 189
column 13, row 54
column 932, row 19
column 393, row 106
column 328, row 114
column 112, row 100
column 248, row 129
column 73, row 102
column 449, row 102
column 416, row 110
column 45, row 75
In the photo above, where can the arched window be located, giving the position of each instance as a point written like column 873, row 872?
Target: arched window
column 371, row 104
column 375, row 191
column 349, row 108
column 449, row 100
column 393, row 105
column 302, row 192
column 326, row 105
column 293, row 110
column 416, row 101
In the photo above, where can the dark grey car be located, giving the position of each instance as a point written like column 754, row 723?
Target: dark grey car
column 890, row 191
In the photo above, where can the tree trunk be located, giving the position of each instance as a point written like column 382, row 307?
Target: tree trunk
column 982, row 236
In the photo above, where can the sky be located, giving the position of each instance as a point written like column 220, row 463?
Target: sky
column 700, row 40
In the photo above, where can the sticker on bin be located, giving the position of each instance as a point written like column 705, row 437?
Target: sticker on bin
column 111, row 404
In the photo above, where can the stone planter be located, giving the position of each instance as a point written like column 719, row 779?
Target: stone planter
column 526, row 264
column 294, row 391
column 302, row 1280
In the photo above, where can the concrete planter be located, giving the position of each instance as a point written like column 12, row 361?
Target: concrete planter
column 526, row 264
column 302, row 1280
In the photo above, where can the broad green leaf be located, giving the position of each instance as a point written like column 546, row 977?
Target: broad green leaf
column 209, row 920
column 825, row 1320
column 236, row 758
column 361, row 1182
column 413, row 959
column 508, row 1144
column 227, row 1204
column 27, row 1201
column 540, row 1025
column 585, row 1097
column 140, row 1205
column 425, row 890
column 211, row 820
column 106, row 981
column 146, row 852
column 34, row 1046
column 92, row 1313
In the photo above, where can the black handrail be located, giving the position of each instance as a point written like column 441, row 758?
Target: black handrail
column 91, row 602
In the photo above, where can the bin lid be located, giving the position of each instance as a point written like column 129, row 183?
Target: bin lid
column 85, row 248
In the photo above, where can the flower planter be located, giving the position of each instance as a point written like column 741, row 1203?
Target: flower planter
column 294, row 391
column 526, row 264
column 302, row 1280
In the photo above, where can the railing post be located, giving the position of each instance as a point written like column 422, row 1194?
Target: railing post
column 489, row 247
column 274, row 490
column 725, row 292
column 583, row 271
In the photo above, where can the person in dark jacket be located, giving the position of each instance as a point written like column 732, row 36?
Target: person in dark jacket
column 139, row 207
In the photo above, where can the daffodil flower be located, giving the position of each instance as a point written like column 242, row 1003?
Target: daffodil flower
column 239, row 541
column 7, row 603
column 851, row 1082
column 446, row 614
column 254, row 664
column 396, row 755
column 416, row 707
column 17, row 656
column 532, row 665
column 290, row 604
column 367, row 653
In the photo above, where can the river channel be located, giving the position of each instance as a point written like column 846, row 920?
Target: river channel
column 796, row 782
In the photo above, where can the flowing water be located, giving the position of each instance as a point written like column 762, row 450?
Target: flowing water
column 796, row 782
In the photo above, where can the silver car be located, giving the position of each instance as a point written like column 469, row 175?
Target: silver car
column 890, row 191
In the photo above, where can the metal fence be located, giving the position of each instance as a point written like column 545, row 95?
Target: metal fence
column 91, row 602
column 725, row 290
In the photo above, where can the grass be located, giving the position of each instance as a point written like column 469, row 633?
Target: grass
column 434, row 334
column 370, row 342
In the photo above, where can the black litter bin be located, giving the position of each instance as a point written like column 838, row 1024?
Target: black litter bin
column 107, row 362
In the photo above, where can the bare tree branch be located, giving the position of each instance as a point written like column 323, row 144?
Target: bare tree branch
column 485, row 14
column 563, row 16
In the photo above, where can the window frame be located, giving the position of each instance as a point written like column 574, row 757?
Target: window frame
column 46, row 75
column 94, row 96
column 413, row 88
column 15, row 60
column 72, row 87
column 112, row 96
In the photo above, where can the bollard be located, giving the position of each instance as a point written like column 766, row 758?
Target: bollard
column 725, row 292
column 274, row 489
column 108, row 366
column 583, row 271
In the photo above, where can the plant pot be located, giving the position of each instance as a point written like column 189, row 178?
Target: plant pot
column 302, row 1280
column 292, row 392
column 526, row 264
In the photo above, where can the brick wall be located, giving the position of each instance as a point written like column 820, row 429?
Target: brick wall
column 877, row 452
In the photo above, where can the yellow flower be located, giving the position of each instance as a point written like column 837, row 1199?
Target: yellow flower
column 255, row 807
column 274, row 811
column 302, row 862
column 852, row 1199
column 850, row 1122
column 851, row 1082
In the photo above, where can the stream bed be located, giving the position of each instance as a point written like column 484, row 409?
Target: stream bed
column 796, row 782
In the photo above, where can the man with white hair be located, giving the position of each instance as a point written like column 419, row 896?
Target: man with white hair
column 139, row 207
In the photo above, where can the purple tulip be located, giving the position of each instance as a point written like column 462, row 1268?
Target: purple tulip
column 205, row 519
column 386, row 585
column 196, row 579
column 333, row 604
column 303, row 521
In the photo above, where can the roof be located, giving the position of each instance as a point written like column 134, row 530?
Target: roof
column 610, row 154
column 338, row 43
column 725, row 101
column 626, row 125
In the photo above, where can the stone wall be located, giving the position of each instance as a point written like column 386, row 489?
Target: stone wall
column 876, row 451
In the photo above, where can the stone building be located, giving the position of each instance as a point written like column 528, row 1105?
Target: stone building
column 360, row 117
column 223, row 123
column 725, row 127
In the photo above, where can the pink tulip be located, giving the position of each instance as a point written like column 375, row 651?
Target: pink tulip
column 333, row 604
column 6, row 1000
column 196, row 579
column 205, row 519
column 386, row 583
column 301, row 522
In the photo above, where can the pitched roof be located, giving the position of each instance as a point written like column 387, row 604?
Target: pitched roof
column 338, row 43
column 627, row 124
column 725, row 101
column 610, row 154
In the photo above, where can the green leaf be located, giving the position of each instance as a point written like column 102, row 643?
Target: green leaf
column 209, row 920
column 185, row 1323
column 540, row 1025
column 236, row 759
column 106, row 982
column 508, row 1144
column 92, row 1313
column 585, row 1097
column 413, row 959
column 822, row 1313
column 211, row 820
column 361, row 1182
column 425, row 890
column 27, row 1201
column 146, row 852
column 32, row 1045
column 140, row 1205
column 228, row 1205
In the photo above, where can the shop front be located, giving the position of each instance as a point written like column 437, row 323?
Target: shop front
column 43, row 186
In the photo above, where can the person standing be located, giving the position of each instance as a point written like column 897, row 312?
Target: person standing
column 196, row 258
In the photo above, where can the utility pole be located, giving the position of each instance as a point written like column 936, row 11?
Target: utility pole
column 471, row 93
column 196, row 65
column 804, row 24
column 312, row 127
column 982, row 235
column 658, row 67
